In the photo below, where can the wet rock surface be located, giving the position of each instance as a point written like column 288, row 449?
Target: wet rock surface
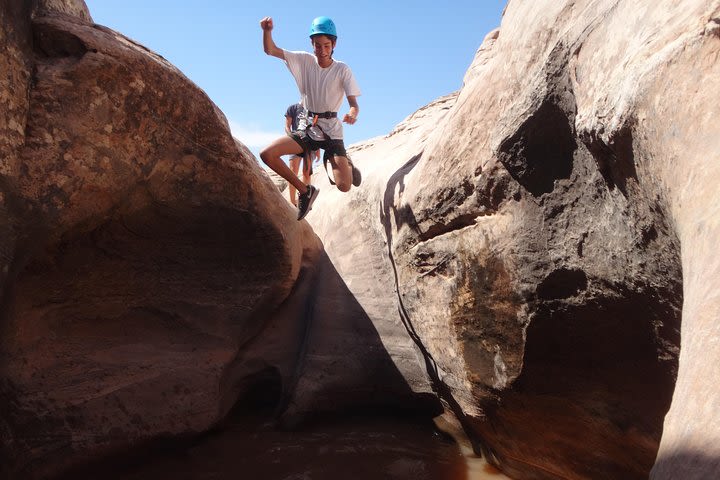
column 350, row 447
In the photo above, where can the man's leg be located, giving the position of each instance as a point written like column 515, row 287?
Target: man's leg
column 272, row 156
column 307, row 164
column 342, row 172
column 294, row 167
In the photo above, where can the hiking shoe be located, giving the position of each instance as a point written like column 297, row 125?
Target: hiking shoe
column 305, row 201
column 356, row 175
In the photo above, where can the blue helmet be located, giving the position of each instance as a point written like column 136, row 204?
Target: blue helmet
column 323, row 26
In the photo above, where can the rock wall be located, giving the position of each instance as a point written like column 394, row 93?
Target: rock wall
column 535, row 250
column 550, row 231
column 153, row 279
column 140, row 245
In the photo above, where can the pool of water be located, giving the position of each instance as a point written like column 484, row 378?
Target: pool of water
column 350, row 448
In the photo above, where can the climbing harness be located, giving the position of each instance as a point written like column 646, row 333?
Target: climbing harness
column 323, row 114
column 315, row 132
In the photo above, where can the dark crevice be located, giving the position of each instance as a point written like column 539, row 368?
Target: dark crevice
column 439, row 386
column 581, row 245
column 648, row 235
column 541, row 150
column 260, row 392
column 456, row 223
column 51, row 42
column 562, row 283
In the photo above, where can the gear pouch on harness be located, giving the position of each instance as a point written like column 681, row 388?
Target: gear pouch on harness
column 316, row 133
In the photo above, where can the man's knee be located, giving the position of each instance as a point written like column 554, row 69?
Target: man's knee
column 265, row 155
column 343, row 173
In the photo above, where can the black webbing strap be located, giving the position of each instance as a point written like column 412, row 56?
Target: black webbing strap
column 307, row 163
column 325, row 160
column 322, row 115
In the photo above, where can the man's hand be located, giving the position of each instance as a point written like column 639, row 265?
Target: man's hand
column 266, row 24
column 351, row 116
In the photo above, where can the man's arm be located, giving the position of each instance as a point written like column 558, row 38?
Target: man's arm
column 268, row 43
column 351, row 116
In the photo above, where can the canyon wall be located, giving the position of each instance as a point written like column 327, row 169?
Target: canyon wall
column 550, row 231
column 533, row 254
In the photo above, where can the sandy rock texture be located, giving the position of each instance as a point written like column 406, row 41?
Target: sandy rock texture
column 141, row 246
column 534, row 253
column 72, row 8
column 550, row 238
column 153, row 278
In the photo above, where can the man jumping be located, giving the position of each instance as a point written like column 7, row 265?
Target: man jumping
column 323, row 82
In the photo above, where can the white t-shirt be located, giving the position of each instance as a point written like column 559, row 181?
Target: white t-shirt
column 322, row 89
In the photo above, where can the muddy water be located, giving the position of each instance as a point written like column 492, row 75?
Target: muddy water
column 348, row 449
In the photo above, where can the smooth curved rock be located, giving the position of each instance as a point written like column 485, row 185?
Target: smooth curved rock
column 141, row 249
column 536, row 232
column 354, row 230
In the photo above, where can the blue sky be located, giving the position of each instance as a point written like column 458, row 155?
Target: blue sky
column 404, row 54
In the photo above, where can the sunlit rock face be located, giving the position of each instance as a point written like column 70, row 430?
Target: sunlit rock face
column 550, row 233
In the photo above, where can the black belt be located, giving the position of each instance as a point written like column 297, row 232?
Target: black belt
column 322, row 115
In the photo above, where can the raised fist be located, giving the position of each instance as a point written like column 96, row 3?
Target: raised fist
column 266, row 23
